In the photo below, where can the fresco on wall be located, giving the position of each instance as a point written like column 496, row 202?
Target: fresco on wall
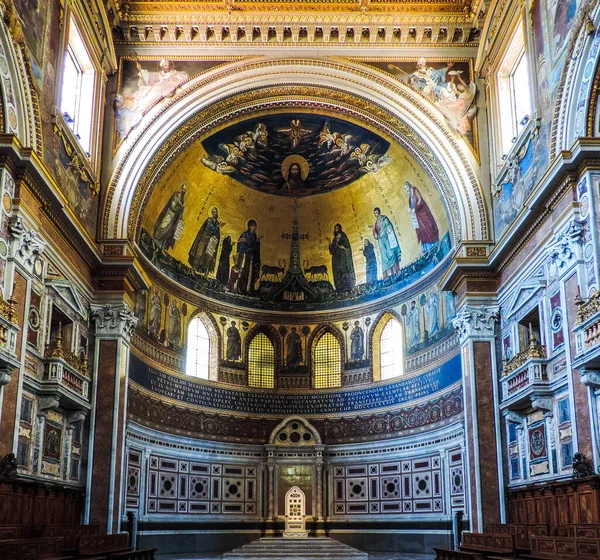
column 551, row 25
column 34, row 19
column 519, row 180
column 449, row 84
column 234, row 237
column 561, row 17
column 144, row 81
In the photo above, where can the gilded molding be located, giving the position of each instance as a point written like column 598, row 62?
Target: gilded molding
column 533, row 352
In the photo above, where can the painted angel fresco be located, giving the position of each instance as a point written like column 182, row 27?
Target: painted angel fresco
column 276, row 155
column 138, row 96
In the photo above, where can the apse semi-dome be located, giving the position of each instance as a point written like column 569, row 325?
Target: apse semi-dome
column 300, row 211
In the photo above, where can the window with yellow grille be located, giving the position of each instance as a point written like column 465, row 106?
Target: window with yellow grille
column 261, row 362
column 327, row 362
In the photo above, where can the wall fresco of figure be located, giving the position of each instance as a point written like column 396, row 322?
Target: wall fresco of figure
column 449, row 84
column 145, row 81
column 283, row 228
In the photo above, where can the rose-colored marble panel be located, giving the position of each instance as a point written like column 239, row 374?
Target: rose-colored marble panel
column 107, row 360
column 9, row 401
column 486, row 432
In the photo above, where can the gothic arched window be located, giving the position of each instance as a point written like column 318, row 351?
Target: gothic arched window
column 198, row 350
column 261, row 362
column 327, row 362
column 390, row 349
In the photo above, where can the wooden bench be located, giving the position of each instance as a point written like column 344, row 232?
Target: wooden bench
column 579, row 531
column 70, row 533
column 564, row 548
column 521, row 531
column 12, row 532
column 489, row 543
column 38, row 549
column 447, row 554
column 101, row 546
column 148, row 554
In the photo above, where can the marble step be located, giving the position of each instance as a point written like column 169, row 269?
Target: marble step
column 298, row 549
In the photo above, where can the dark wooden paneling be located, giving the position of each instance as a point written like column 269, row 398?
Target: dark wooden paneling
column 556, row 503
column 33, row 503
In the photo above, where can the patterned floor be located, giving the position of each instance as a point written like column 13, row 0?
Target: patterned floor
column 373, row 556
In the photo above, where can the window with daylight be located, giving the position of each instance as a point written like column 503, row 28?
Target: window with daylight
column 198, row 350
column 327, row 362
column 78, row 88
column 513, row 91
column 261, row 362
column 390, row 349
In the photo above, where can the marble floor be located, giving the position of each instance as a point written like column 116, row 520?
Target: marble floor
column 372, row 556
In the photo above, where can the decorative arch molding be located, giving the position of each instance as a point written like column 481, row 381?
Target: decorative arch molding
column 293, row 424
column 375, row 100
column 374, row 337
column 21, row 115
column 576, row 107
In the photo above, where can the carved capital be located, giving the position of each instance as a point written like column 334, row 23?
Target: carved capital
column 113, row 320
column 513, row 417
column 75, row 417
column 546, row 404
column 590, row 377
column 47, row 403
column 25, row 244
column 476, row 322
column 5, row 373
column 565, row 248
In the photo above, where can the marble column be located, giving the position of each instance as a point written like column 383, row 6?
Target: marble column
column 270, row 524
column 320, row 521
column 476, row 326
column 114, row 324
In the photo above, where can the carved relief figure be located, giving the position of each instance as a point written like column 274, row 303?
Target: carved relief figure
column 341, row 260
column 203, row 253
column 422, row 218
column 357, row 345
column 248, row 252
column 389, row 248
column 234, row 343
column 294, row 348
column 169, row 224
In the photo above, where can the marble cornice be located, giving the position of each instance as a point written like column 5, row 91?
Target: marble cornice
column 301, row 23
